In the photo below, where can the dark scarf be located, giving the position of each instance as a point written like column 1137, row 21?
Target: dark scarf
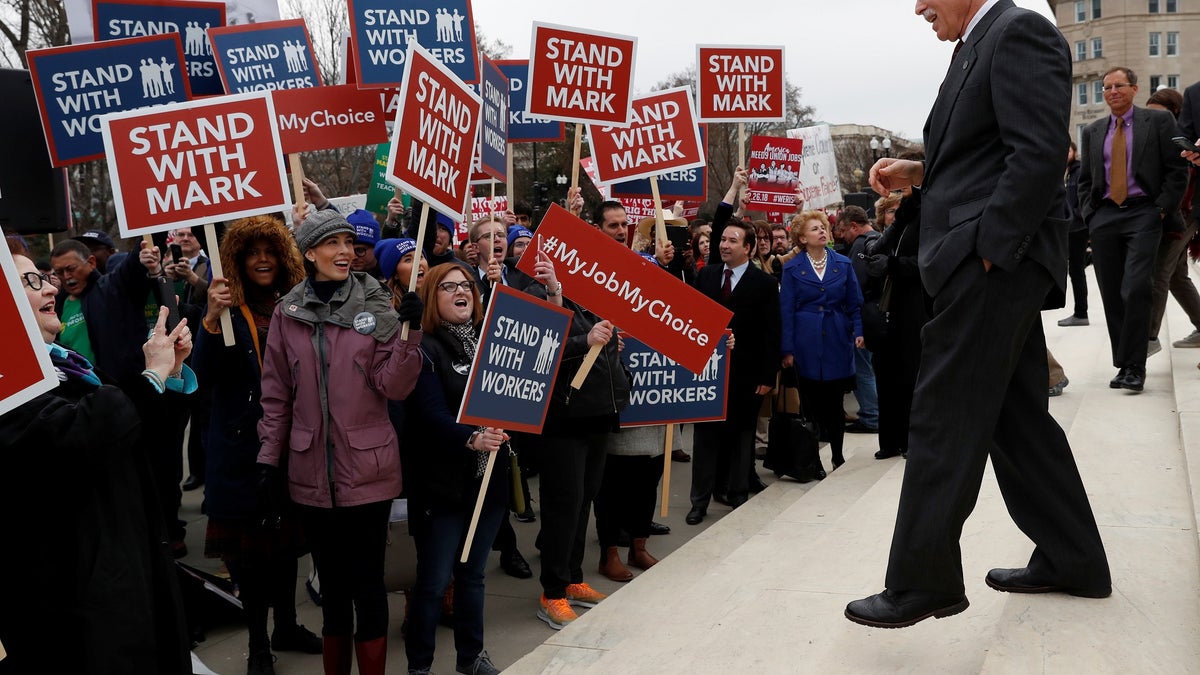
column 465, row 334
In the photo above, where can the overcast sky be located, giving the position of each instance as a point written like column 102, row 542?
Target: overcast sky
column 856, row 61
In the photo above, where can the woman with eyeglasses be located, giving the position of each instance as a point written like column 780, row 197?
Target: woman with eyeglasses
column 444, row 464
column 88, row 584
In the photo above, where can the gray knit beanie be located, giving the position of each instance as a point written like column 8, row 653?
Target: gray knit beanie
column 319, row 225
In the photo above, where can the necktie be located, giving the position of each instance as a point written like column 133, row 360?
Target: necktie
column 957, row 48
column 727, row 287
column 1118, row 182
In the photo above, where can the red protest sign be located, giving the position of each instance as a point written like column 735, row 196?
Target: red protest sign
column 661, row 136
column 774, row 172
column 741, row 84
column 319, row 118
column 25, row 368
column 635, row 294
column 433, row 141
column 580, row 76
column 194, row 163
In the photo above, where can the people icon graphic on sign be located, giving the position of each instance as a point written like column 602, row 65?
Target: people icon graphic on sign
column 168, row 80
column 152, row 79
column 709, row 372
column 206, row 49
column 546, row 351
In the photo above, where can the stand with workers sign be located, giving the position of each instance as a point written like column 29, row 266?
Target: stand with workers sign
column 664, row 392
column 25, row 368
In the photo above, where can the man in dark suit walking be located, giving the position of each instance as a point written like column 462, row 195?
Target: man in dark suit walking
column 753, row 296
column 993, row 244
column 1130, row 188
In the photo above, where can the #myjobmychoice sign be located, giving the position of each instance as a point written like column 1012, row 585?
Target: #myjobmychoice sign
column 75, row 85
column 523, row 127
column 664, row 392
column 319, row 118
column 383, row 28
column 272, row 55
column 190, row 18
column 520, row 349
column 635, row 294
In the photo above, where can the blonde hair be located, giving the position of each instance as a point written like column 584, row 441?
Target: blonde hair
column 798, row 221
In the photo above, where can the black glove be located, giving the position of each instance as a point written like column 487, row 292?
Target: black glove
column 410, row 310
column 877, row 265
column 267, row 506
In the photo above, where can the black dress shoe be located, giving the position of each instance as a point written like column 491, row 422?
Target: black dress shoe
column 193, row 481
column 1119, row 380
column 887, row 454
column 901, row 610
column 659, row 528
column 721, row 498
column 678, row 455
column 695, row 516
column 757, row 485
column 526, row 516
column 1022, row 580
column 514, row 565
column 1135, row 379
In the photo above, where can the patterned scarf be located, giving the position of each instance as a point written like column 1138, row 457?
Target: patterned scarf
column 465, row 334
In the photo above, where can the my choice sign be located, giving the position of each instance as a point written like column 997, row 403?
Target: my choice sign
column 25, row 368
column 580, row 76
column 319, row 118
column 384, row 28
column 493, row 144
column 265, row 56
column 523, row 127
column 435, row 131
column 190, row 18
column 663, row 392
column 520, row 350
column 77, row 84
column 628, row 290
column 741, row 84
column 661, row 136
column 194, row 163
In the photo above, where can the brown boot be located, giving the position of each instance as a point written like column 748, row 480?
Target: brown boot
column 337, row 654
column 372, row 656
column 611, row 567
column 639, row 557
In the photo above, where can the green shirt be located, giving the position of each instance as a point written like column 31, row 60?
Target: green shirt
column 74, row 334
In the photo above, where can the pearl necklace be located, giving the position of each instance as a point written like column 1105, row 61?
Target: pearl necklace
column 818, row 265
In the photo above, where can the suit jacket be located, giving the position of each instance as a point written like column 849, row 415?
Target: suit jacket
column 993, row 183
column 1157, row 166
column 755, row 325
column 1189, row 119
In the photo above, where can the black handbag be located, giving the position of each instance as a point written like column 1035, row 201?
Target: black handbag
column 792, row 445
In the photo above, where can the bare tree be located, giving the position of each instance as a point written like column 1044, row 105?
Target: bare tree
column 31, row 24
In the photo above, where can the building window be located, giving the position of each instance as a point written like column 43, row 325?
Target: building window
column 1081, row 89
column 1155, row 80
column 1080, row 11
column 1154, row 39
column 1172, row 6
column 1173, row 81
column 1098, row 91
column 1080, row 50
column 1153, row 7
column 1095, row 9
column 1097, row 48
column 1172, row 44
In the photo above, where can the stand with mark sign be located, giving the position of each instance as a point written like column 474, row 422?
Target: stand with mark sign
column 25, row 368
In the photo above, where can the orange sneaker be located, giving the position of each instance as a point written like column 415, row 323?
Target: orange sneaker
column 582, row 595
column 557, row 612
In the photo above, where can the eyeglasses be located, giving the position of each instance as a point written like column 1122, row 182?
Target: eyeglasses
column 451, row 286
column 1110, row 87
column 35, row 280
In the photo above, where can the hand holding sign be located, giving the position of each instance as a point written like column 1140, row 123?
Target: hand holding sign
column 489, row 439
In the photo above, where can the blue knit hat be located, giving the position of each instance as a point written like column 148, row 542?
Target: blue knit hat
column 389, row 253
column 366, row 228
column 516, row 232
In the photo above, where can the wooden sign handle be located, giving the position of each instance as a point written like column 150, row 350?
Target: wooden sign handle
column 487, row 475
column 297, row 177
column 660, row 225
column 575, row 155
column 214, row 263
column 666, row 479
column 412, row 279
column 586, row 367
column 508, row 180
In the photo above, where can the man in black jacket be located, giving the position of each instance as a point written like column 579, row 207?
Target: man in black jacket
column 1077, row 244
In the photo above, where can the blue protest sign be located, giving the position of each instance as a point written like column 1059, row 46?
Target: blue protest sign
column 77, row 84
column 688, row 184
column 189, row 18
column 383, row 28
column 520, row 348
column 258, row 56
column 523, row 127
column 665, row 392
column 493, row 141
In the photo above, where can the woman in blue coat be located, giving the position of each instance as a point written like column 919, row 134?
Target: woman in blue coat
column 820, row 307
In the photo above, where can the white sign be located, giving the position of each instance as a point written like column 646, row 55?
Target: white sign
column 818, row 169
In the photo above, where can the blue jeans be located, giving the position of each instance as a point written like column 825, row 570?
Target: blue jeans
column 439, row 533
column 864, row 389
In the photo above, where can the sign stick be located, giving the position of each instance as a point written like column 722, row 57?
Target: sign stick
column 660, row 225
column 586, row 367
column 214, row 261
column 297, row 176
column 508, row 179
column 575, row 155
column 666, row 479
column 412, row 280
column 487, row 476
column 741, row 161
